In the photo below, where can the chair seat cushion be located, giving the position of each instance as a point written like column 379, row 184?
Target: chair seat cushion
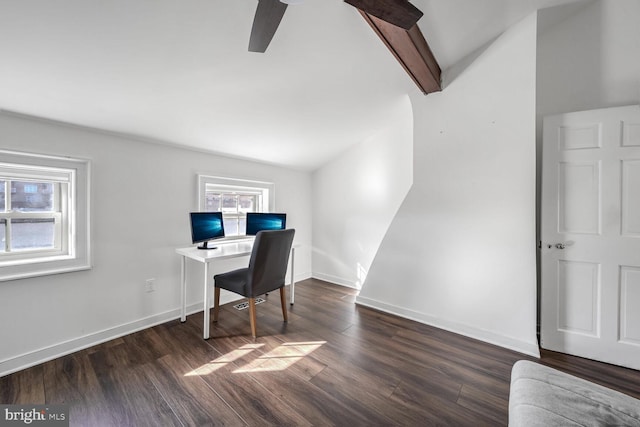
column 234, row 281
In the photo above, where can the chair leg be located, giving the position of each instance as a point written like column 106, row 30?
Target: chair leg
column 252, row 316
column 283, row 301
column 216, row 304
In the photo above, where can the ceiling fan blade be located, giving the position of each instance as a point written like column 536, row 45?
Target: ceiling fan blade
column 400, row 13
column 265, row 23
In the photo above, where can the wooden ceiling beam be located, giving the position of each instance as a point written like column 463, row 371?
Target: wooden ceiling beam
column 400, row 13
column 412, row 51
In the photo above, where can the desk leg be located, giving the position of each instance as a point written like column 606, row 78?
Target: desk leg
column 207, row 314
column 293, row 283
column 183, row 290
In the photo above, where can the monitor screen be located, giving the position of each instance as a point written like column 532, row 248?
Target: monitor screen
column 258, row 221
column 206, row 226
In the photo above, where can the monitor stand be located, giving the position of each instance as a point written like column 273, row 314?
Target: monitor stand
column 205, row 247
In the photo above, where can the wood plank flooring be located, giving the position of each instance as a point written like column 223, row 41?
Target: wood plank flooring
column 333, row 363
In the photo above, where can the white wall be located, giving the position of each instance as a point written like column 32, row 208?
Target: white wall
column 356, row 196
column 589, row 60
column 460, row 253
column 141, row 196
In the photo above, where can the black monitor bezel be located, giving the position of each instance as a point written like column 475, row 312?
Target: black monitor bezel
column 212, row 214
column 282, row 214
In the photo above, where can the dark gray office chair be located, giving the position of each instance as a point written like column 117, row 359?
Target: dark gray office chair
column 266, row 272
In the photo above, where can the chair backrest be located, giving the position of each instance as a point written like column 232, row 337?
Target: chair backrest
column 269, row 260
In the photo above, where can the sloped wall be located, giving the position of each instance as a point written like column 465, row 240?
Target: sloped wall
column 460, row 253
column 356, row 196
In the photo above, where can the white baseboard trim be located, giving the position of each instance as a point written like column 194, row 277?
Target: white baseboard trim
column 299, row 277
column 335, row 280
column 514, row 344
column 44, row 354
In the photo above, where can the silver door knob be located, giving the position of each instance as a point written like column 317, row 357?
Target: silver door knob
column 560, row 246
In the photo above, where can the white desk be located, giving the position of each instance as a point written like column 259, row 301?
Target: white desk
column 224, row 250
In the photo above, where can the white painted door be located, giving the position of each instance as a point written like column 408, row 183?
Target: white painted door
column 590, row 235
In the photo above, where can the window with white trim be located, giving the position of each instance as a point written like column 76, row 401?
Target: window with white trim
column 234, row 198
column 44, row 215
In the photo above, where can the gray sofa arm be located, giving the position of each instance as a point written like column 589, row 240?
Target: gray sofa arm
column 542, row 396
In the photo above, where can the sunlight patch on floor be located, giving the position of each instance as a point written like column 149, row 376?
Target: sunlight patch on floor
column 281, row 357
column 278, row 359
column 223, row 360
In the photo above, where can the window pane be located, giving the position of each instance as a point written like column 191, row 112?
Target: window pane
column 32, row 233
column 2, row 195
column 247, row 204
column 229, row 203
column 212, row 202
column 3, row 234
column 230, row 226
column 31, row 196
column 242, row 226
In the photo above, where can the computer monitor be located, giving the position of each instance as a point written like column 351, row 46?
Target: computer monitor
column 258, row 221
column 206, row 226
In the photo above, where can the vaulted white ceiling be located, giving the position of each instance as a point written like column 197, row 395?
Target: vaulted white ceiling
column 179, row 71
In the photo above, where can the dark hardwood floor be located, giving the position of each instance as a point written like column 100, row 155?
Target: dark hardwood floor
column 333, row 363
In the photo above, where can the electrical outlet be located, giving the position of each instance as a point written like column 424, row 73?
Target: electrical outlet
column 150, row 285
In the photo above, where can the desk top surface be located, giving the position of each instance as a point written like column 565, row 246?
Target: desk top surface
column 221, row 250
